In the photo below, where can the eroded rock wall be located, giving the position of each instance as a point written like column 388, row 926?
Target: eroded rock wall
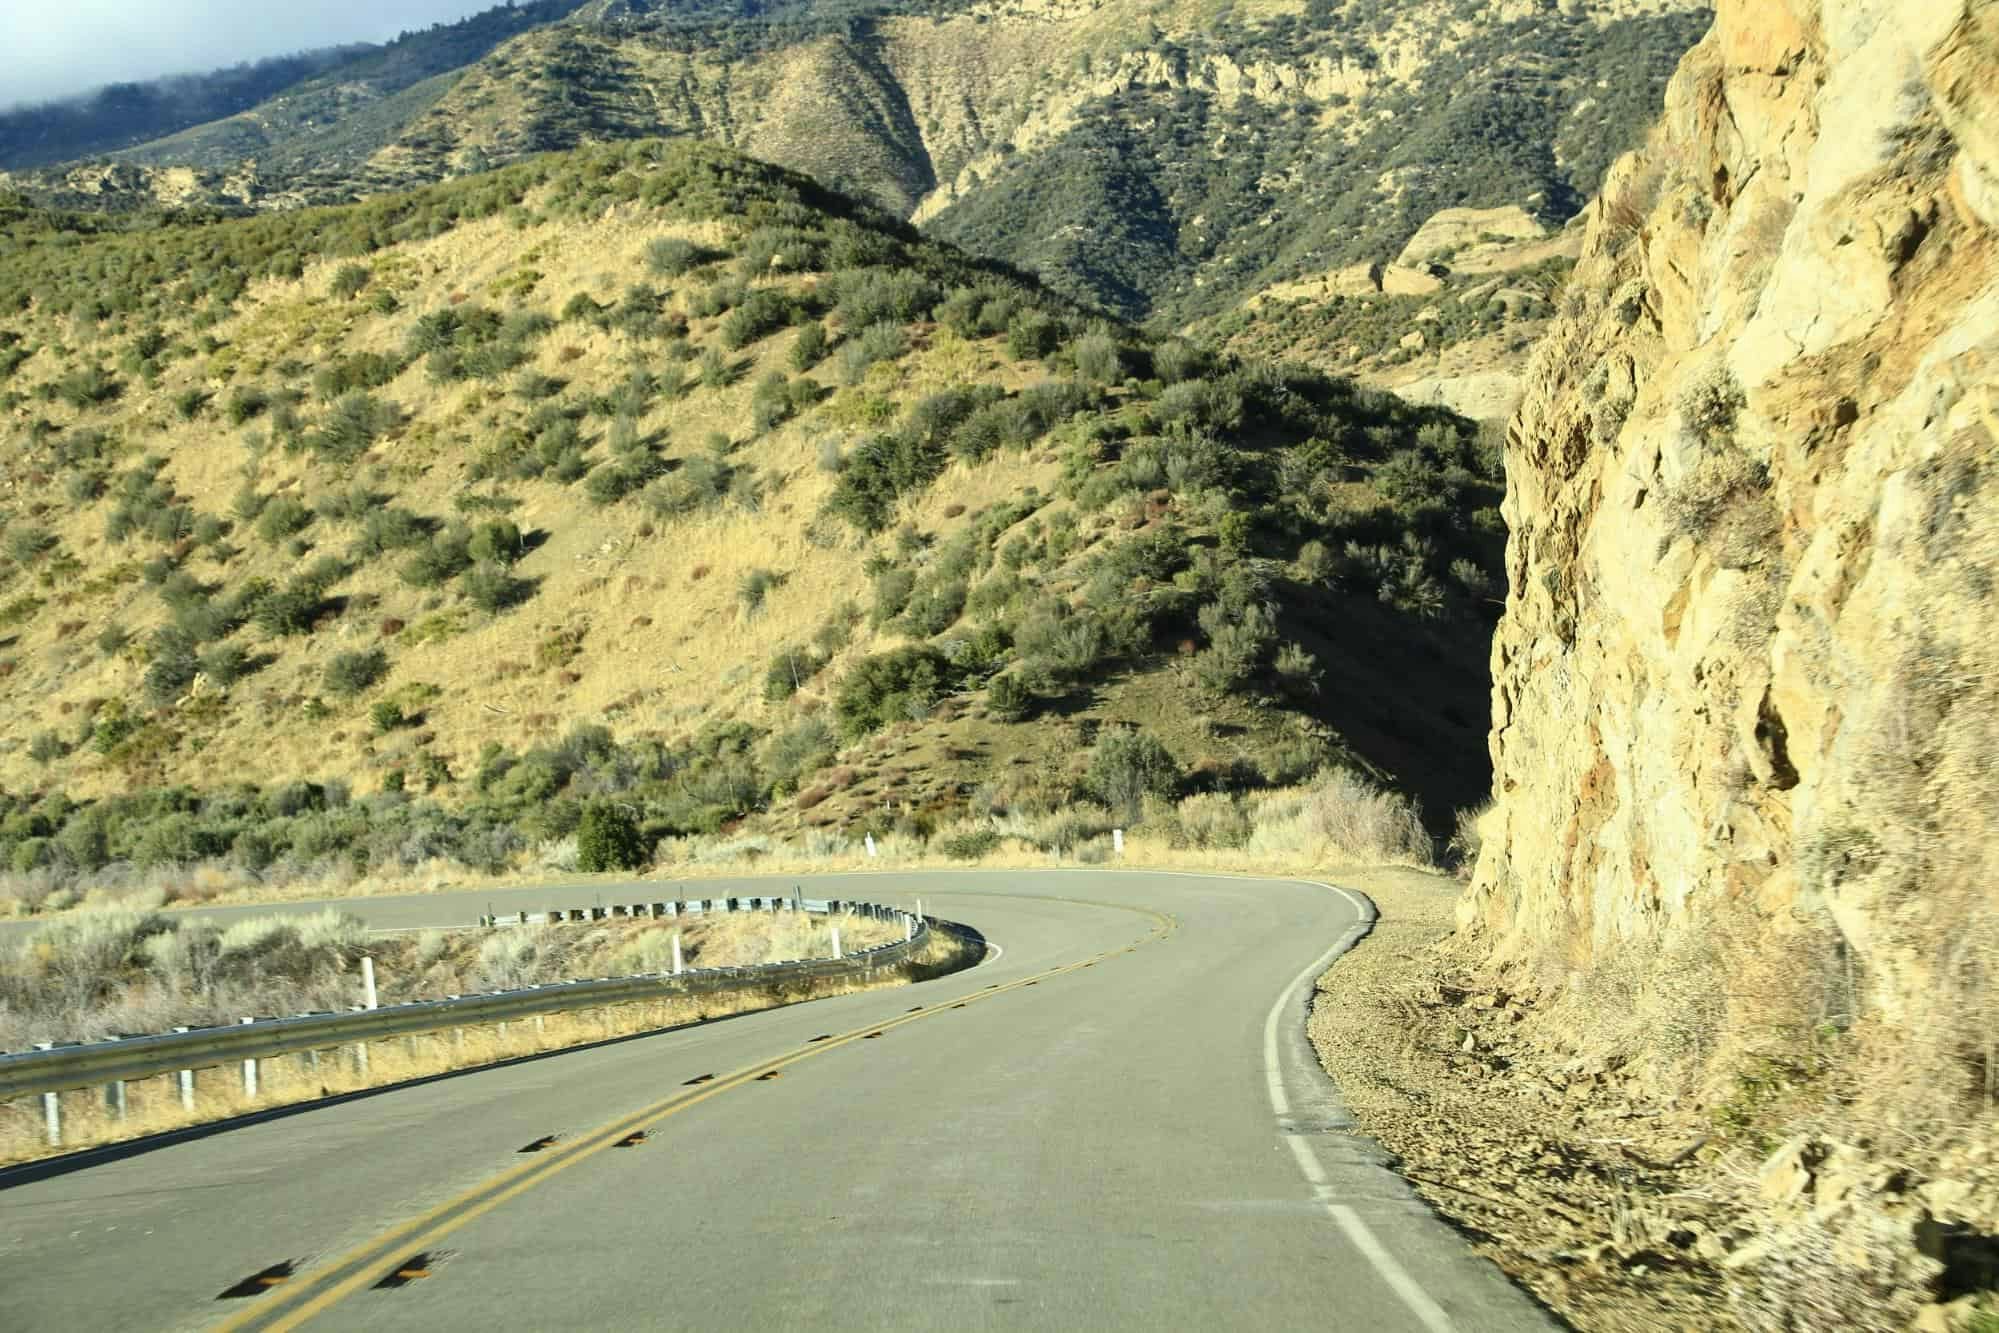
column 1747, row 663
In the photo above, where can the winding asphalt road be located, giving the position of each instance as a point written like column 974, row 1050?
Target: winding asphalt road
column 1115, row 1122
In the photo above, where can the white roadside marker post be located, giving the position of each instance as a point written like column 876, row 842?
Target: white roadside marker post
column 836, row 942
column 186, row 1080
column 368, row 997
column 871, row 844
column 51, row 1106
column 249, row 1072
column 1117, row 841
column 676, row 954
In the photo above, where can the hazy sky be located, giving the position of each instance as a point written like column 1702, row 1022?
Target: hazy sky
column 53, row 48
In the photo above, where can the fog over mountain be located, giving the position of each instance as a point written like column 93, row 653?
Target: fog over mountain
column 73, row 48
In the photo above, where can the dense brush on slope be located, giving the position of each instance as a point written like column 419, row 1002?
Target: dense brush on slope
column 1156, row 160
column 653, row 472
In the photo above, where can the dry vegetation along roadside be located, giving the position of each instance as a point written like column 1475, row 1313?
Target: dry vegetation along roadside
column 1628, row 1204
column 133, row 972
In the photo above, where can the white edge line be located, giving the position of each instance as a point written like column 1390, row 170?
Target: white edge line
column 1427, row 1311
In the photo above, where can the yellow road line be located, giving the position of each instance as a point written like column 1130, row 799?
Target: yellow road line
column 370, row 1257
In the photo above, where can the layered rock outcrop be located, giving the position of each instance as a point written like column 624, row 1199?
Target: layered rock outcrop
column 1748, row 661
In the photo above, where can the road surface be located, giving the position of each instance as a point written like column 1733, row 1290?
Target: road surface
column 1116, row 1122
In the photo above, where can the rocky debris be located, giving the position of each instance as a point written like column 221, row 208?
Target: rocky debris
column 1625, row 1208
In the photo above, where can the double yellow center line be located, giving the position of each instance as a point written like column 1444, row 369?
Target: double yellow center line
column 292, row 1304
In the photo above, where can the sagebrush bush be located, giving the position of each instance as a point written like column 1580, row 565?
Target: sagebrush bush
column 353, row 672
column 1126, row 766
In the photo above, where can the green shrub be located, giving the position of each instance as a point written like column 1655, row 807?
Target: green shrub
column 281, row 517
column 878, row 473
column 88, row 387
column 810, row 346
column 1031, row 335
column 244, row 402
column 891, row 687
column 387, row 715
column 496, row 540
column 607, row 838
column 226, row 663
column 27, row 543
column 1008, row 698
column 761, row 314
column 877, row 342
column 351, row 673
column 1098, row 358
column 173, row 667
column 447, row 555
column 755, row 586
column 670, row 256
column 971, row 845
column 1126, row 766
column 788, row 671
column 492, row 588
column 348, row 280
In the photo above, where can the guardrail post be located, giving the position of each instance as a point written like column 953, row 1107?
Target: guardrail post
column 836, row 942
column 368, row 999
column 250, row 1072
column 676, row 953
column 51, row 1106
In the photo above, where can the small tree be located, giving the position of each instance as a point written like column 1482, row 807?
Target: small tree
column 608, row 839
column 1008, row 698
column 1126, row 766
column 351, row 673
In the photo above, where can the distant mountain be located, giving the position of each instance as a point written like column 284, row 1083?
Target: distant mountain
column 1159, row 161
column 301, row 112
column 124, row 115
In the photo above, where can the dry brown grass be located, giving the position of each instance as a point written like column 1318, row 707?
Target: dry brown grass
column 153, row 1105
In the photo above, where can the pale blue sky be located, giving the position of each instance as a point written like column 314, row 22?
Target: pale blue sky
column 53, row 48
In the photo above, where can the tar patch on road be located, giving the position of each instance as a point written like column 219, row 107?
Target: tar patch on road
column 258, row 1283
column 545, row 1141
column 767, row 1075
column 413, row 1269
column 632, row 1140
column 698, row 1078
column 824, row 1036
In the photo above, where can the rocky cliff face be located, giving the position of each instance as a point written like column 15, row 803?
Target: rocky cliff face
column 1746, row 672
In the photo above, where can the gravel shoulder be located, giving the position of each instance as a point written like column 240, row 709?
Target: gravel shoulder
column 1567, row 1188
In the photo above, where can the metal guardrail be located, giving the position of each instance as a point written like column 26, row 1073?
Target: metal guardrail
column 64, row 1068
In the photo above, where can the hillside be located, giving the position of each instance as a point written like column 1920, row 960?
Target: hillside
column 650, row 471
column 1451, row 321
column 1159, row 161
